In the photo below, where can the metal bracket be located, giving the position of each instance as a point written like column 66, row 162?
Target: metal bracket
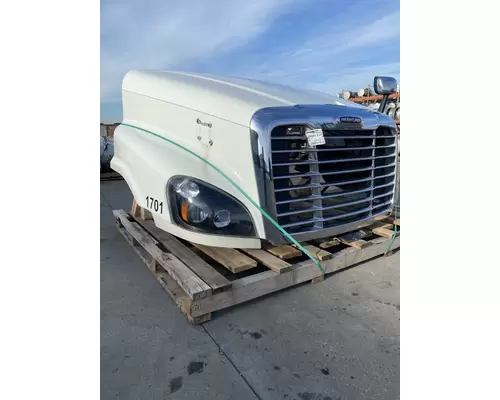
column 204, row 132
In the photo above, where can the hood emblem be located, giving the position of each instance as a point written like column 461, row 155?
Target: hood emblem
column 349, row 120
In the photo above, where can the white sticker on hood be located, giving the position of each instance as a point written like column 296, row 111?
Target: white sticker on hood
column 315, row 137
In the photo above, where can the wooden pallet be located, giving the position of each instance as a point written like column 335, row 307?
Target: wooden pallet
column 202, row 279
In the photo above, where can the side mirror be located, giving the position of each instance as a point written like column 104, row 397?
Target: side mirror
column 385, row 85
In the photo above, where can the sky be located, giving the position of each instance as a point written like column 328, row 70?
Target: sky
column 326, row 45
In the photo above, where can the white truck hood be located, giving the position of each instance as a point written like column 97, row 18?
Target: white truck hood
column 233, row 99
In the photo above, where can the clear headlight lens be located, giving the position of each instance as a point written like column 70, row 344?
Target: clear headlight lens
column 197, row 205
column 222, row 218
column 187, row 189
column 196, row 213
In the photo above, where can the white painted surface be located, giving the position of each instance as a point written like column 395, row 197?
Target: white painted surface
column 232, row 99
column 147, row 162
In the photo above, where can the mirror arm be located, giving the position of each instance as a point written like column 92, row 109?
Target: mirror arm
column 383, row 104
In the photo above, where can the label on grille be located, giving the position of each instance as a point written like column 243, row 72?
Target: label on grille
column 315, row 137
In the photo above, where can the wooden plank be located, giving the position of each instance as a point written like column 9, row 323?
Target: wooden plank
column 139, row 212
column 284, row 252
column 382, row 217
column 358, row 244
column 258, row 285
column 135, row 209
column 128, row 237
column 147, row 258
column 387, row 233
column 381, row 224
column 328, row 243
column 382, row 228
column 319, row 254
column 393, row 221
column 232, row 259
column 181, row 299
column 187, row 279
column 176, row 293
column 194, row 262
column 274, row 263
column 145, row 214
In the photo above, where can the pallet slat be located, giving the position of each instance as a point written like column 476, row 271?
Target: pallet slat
column 147, row 258
column 284, row 252
column 319, row 254
column 176, row 293
column 381, row 224
column 191, row 283
column 194, row 262
column 232, row 259
column 274, row 263
column 382, row 228
column 328, row 243
column 142, row 213
column 358, row 244
column 381, row 217
column 394, row 221
column 181, row 300
column 387, row 233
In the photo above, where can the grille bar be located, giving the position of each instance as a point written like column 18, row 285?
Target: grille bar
column 333, row 161
column 299, row 199
column 381, row 195
column 313, row 220
column 338, row 149
column 303, row 137
column 340, row 183
column 382, row 204
column 329, row 207
column 340, row 171
column 361, row 220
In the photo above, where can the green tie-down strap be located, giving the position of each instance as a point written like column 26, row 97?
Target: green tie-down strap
column 266, row 215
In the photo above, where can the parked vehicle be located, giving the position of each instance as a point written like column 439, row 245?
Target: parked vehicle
column 107, row 148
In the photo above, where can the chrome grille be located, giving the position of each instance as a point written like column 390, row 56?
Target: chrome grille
column 348, row 179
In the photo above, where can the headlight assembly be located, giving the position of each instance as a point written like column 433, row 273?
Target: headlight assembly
column 199, row 206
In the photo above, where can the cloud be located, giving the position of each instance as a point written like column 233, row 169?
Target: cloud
column 325, row 45
column 339, row 58
column 163, row 34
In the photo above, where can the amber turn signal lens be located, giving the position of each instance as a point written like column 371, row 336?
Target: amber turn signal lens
column 184, row 211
